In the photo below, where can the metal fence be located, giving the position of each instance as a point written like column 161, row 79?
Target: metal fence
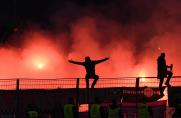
column 58, row 83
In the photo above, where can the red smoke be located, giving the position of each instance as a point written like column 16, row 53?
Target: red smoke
column 132, row 48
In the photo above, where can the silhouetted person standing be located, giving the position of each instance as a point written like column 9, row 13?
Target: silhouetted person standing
column 90, row 69
column 163, row 72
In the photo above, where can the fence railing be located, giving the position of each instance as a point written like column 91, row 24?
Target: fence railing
column 26, row 83
column 19, row 99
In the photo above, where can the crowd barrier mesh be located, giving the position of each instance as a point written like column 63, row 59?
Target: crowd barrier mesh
column 58, row 83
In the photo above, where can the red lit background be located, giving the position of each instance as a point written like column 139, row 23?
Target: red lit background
column 132, row 45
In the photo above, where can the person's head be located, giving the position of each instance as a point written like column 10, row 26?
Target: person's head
column 162, row 55
column 87, row 59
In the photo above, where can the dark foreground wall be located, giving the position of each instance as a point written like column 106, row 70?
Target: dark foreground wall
column 157, row 109
column 174, row 96
column 17, row 101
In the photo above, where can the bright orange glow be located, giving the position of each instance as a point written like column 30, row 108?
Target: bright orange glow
column 142, row 74
column 44, row 55
column 40, row 65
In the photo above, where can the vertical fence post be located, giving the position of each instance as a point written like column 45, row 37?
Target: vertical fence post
column 88, row 101
column 77, row 96
column 17, row 99
column 137, row 89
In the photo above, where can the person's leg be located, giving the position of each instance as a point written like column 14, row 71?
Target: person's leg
column 95, row 77
column 169, row 75
column 88, row 97
column 87, row 81
column 160, row 86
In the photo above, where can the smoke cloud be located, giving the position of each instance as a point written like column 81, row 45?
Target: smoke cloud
column 131, row 33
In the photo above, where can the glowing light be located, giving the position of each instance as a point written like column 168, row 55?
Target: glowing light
column 143, row 80
column 39, row 63
column 142, row 74
column 40, row 66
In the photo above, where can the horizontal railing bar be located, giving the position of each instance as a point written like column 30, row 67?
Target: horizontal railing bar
column 124, row 77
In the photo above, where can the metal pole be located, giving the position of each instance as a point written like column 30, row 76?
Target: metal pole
column 137, row 89
column 88, row 101
column 17, row 98
column 77, row 96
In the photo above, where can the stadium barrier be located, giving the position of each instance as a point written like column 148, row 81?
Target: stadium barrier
column 13, row 91
column 58, row 83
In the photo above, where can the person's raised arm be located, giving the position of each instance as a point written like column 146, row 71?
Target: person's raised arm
column 76, row 62
column 102, row 60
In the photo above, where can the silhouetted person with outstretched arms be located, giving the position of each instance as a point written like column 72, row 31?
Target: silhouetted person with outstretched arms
column 163, row 72
column 90, row 69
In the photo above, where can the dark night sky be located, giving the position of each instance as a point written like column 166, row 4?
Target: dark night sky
column 26, row 12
